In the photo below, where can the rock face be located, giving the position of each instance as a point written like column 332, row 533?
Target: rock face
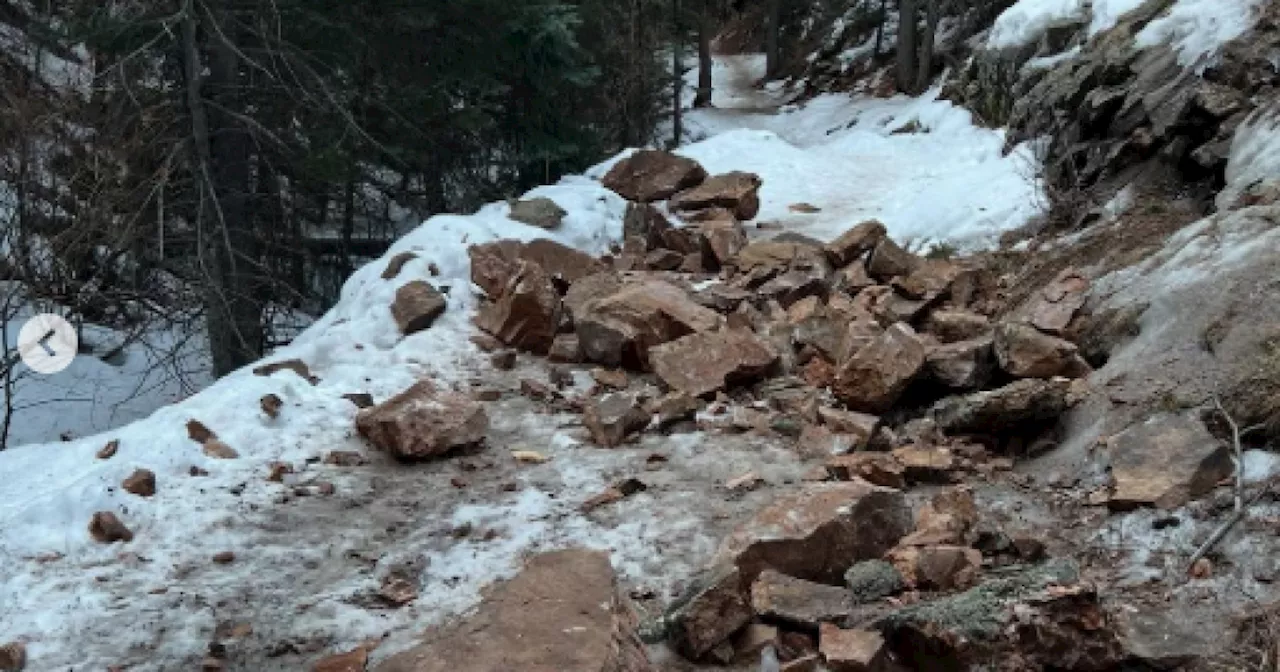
column 611, row 418
column 702, row 363
column 1027, row 352
column 708, row 613
column 527, row 313
column 818, row 532
column 1165, row 462
column 875, row 377
column 737, row 192
column 855, row 242
column 423, row 422
column 540, row 212
column 1019, row 403
column 563, row 612
column 650, row 175
column 416, row 306
column 620, row 328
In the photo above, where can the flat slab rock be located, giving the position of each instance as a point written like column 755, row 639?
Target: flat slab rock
column 700, row 364
column 652, row 175
column 423, row 422
column 562, row 613
column 1165, row 461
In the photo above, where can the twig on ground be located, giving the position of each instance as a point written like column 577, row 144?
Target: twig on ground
column 1240, row 505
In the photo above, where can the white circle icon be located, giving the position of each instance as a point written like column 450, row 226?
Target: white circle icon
column 47, row 343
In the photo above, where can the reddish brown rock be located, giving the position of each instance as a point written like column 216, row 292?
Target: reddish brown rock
column 645, row 222
column 852, row 650
column 611, row 418
column 926, row 464
column 423, row 422
column 851, row 279
column 737, row 192
column 931, row 279
column 819, row 372
column 345, row 458
column 106, row 528
column 673, row 407
column 875, row 468
column 13, row 657
column 947, row 518
column 619, row 328
column 198, row 432
column 818, row 532
column 565, row 349
column 295, row 365
column 1165, row 461
column 709, row 612
column 416, row 306
column 855, row 242
column 493, row 264
column 1026, row 352
column 1020, row 403
column 964, row 365
column 770, row 255
column 1052, row 308
column 109, row 451
column 354, row 660
column 650, row 175
column 797, row 602
column 937, row 567
column 219, row 450
column 860, row 425
column 858, row 334
column 563, row 612
column 559, row 261
column 142, row 482
column 819, row 442
column 888, row 261
column 875, row 377
column 702, row 363
column 614, row 378
column 396, row 264
column 952, row 326
column 527, row 314
column 720, row 240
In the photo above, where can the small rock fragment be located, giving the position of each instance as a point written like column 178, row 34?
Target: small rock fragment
column 852, row 650
column 109, row 451
column 416, row 306
column 271, row 405
column 224, row 558
column 218, row 450
column 613, row 417
column 142, row 482
column 106, row 528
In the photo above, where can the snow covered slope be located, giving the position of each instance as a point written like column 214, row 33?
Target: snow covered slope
column 919, row 165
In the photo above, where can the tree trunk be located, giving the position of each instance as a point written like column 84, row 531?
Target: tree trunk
column 677, row 76
column 228, row 244
column 925, row 75
column 772, row 50
column 703, row 98
column 907, row 45
column 883, row 15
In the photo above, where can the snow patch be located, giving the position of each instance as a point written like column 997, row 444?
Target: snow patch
column 1255, row 155
column 1199, row 28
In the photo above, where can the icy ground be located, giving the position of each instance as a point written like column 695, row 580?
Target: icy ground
column 306, row 564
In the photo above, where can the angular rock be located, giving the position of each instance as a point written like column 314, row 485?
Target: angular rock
column 794, row 285
column 1165, row 461
column 855, row 242
column 963, row 365
column 930, row 280
column 611, row 418
column 354, row 660
column 707, row 362
column 142, row 482
column 818, row 532
column 797, row 602
column 875, row 377
column 720, row 241
column 953, row 326
column 109, row 450
column 1026, row 352
column 540, row 212
column 772, row 255
column 1166, row 639
column 852, row 650
column 423, row 422
column 106, row 528
column 673, row 407
column 647, row 223
column 565, row 349
column 722, row 298
column 560, row 262
column 1020, row 403
column 650, row 175
column 416, row 306
column 754, row 638
column 663, row 260
column 859, row 333
column 1052, row 308
column 527, row 314
column 816, row 442
column 947, row 518
column 861, row 425
column 563, row 612
column 710, row 611
column 736, row 191
column 492, row 265
column 870, row 581
column 619, row 328
column 851, row 279
column 926, row 464
column 875, row 468
column 937, row 567
column 888, row 261
column 219, row 450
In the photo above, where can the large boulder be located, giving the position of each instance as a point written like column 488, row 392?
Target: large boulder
column 493, row 265
column 563, row 612
column 888, row 260
column 651, row 175
column 737, row 192
column 818, row 532
column 707, row 362
column 620, row 327
column 423, row 422
column 873, row 379
column 1165, row 461
column 416, row 306
column 1026, row 352
column 1018, row 404
column 527, row 314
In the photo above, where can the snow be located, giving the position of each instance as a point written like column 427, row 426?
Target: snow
column 1026, row 21
column 919, row 165
column 1199, row 28
column 1255, row 155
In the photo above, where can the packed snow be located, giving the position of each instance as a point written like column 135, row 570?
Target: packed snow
column 1255, row 154
column 1028, row 20
column 1199, row 28
column 919, row 165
